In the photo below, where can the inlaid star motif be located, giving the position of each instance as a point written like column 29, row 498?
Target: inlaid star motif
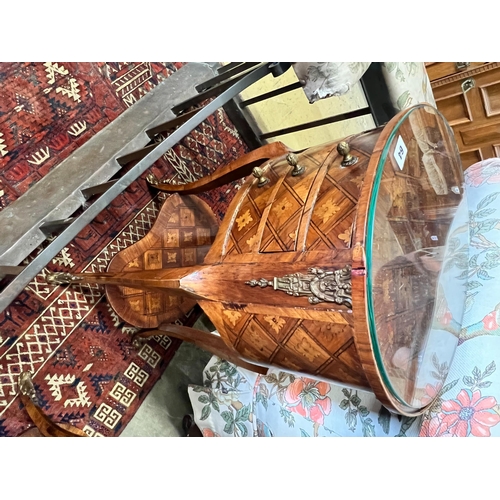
column 358, row 180
column 233, row 316
column 327, row 210
column 244, row 220
column 282, row 207
column 346, row 236
column 252, row 240
column 135, row 304
column 275, row 322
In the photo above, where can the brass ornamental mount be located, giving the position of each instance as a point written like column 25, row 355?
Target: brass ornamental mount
column 318, row 285
column 26, row 387
column 343, row 149
column 154, row 181
column 61, row 278
column 293, row 160
column 259, row 174
column 138, row 341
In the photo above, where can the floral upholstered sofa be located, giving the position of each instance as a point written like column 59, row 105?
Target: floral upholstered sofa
column 238, row 402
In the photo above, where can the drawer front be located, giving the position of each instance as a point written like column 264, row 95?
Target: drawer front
column 312, row 211
column 438, row 70
column 334, row 211
column 268, row 218
column 244, row 237
column 285, row 214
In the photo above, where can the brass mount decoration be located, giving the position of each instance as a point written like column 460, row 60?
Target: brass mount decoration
column 343, row 149
column 154, row 181
column 61, row 278
column 138, row 341
column 259, row 174
column 318, row 285
column 292, row 160
column 26, row 386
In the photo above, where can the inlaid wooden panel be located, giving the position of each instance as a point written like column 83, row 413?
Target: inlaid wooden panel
column 471, row 157
column 269, row 218
column 270, row 326
column 491, row 98
column 180, row 237
column 283, row 221
column 455, row 108
column 334, row 210
column 243, row 237
column 322, row 348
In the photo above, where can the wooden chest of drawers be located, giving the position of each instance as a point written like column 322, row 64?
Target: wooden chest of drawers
column 469, row 98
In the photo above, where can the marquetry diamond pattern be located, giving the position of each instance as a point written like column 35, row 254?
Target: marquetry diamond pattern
column 334, row 210
column 284, row 218
column 308, row 346
column 181, row 236
column 243, row 237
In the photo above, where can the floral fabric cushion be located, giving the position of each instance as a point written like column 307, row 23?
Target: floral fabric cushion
column 408, row 82
column 237, row 402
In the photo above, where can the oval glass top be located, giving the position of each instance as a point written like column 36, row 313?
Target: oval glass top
column 417, row 256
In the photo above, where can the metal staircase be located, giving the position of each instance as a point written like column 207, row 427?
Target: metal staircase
column 96, row 168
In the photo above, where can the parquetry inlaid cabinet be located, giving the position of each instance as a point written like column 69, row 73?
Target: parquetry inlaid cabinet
column 338, row 262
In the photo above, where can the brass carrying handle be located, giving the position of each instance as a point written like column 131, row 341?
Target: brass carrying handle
column 237, row 169
column 468, row 84
column 462, row 65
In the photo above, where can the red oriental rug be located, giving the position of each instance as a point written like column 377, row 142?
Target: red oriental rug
column 86, row 371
